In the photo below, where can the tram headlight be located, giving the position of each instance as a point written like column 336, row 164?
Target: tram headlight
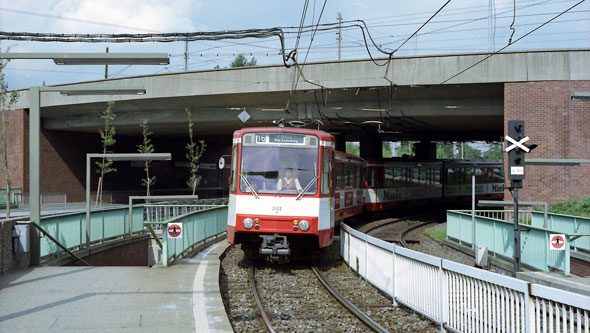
column 304, row 225
column 248, row 223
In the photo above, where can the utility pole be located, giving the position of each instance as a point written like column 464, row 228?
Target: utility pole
column 185, row 55
column 106, row 69
column 339, row 33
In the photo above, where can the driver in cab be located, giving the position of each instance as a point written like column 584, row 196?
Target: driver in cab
column 288, row 183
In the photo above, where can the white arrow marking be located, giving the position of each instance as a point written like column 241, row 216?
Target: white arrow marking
column 518, row 144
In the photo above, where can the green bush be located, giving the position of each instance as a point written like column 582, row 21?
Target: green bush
column 572, row 207
column 437, row 233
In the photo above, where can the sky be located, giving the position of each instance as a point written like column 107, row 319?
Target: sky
column 463, row 26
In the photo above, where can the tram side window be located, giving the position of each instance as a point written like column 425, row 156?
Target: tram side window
column 415, row 176
column 479, row 176
column 363, row 171
column 338, row 175
column 234, row 168
column 388, row 177
column 371, row 177
column 398, row 177
column 355, row 176
column 498, row 176
column 348, row 175
column 326, row 167
column 437, row 179
column 451, row 176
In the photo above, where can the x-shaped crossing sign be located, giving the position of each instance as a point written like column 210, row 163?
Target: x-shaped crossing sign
column 518, row 144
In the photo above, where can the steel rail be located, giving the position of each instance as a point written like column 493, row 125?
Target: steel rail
column 400, row 219
column 408, row 230
column 346, row 303
column 257, row 299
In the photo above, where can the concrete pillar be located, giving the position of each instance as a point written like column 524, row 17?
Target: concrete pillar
column 371, row 147
column 425, row 150
column 340, row 142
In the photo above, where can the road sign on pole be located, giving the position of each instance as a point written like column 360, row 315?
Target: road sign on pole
column 557, row 242
column 174, row 230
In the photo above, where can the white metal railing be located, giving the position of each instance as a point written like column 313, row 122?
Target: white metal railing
column 163, row 211
column 462, row 298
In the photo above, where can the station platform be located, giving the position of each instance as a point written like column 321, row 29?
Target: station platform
column 183, row 298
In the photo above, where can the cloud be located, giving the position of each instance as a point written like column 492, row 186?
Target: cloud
column 118, row 16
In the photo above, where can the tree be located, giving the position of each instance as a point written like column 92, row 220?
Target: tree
column 146, row 148
column 444, row 151
column 405, row 148
column 107, row 138
column 194, row 151
column 386, row 149
column 353, row 148
column 471, row 153
column 7, row 100
column 494, row 152
column 241, row 61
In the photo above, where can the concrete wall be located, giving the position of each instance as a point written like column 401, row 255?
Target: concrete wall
column 561, row 128
column 9, row 260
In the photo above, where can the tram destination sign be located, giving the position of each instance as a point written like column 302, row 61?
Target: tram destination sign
column 280, row 138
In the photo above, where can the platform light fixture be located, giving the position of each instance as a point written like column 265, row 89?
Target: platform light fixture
column 370, row 109
column 102, row 91
column 95, row 58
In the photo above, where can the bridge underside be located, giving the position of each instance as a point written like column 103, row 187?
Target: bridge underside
column 449, row 112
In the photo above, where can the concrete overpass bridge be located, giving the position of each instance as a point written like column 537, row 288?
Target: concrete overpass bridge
column 356, row 100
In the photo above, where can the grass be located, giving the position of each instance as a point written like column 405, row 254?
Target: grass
column 572, row 207
column 436, row 233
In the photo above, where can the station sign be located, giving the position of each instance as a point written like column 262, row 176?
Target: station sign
column 557, row 242
column 175, row 230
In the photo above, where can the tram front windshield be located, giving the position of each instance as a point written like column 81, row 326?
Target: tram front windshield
column 279, row 170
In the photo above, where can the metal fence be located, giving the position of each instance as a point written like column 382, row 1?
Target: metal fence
column 462, row 298
column 497, row 235
column 163, row 211
column 197, row 225
column 70, row 229
column 15, row 195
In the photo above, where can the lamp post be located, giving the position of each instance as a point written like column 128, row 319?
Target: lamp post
column 34, row 151
column 35, row 119
column 116, row 157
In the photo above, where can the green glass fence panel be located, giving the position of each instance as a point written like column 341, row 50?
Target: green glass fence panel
column 114, row 223
column 47, row 246
column 533, row 251
column 197, row 226
column 96, row 226
column 137, row 219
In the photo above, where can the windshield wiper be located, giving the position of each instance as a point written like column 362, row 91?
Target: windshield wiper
column 245, row 180
column 306, row 188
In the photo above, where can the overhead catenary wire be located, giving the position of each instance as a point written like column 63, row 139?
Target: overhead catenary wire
column 509, row 44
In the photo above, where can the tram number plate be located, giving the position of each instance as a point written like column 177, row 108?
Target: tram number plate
column 277, row 209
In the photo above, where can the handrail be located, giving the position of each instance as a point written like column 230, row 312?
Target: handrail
column 38, row 227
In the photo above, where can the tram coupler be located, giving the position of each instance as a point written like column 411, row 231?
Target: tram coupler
column 274, row 245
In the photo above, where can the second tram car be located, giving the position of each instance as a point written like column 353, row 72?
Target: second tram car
column 392, row 184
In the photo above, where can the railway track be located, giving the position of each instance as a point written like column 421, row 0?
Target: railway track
column 370, row 323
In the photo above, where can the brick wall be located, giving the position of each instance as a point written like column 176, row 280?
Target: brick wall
column 17, row 148
column 561, row 128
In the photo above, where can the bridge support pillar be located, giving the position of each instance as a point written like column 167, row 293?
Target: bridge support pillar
column 425, row 150
column 340, row 142
column 371, row 147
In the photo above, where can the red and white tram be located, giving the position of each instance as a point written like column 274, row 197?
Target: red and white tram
column 398, row 183
column 282, row 190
